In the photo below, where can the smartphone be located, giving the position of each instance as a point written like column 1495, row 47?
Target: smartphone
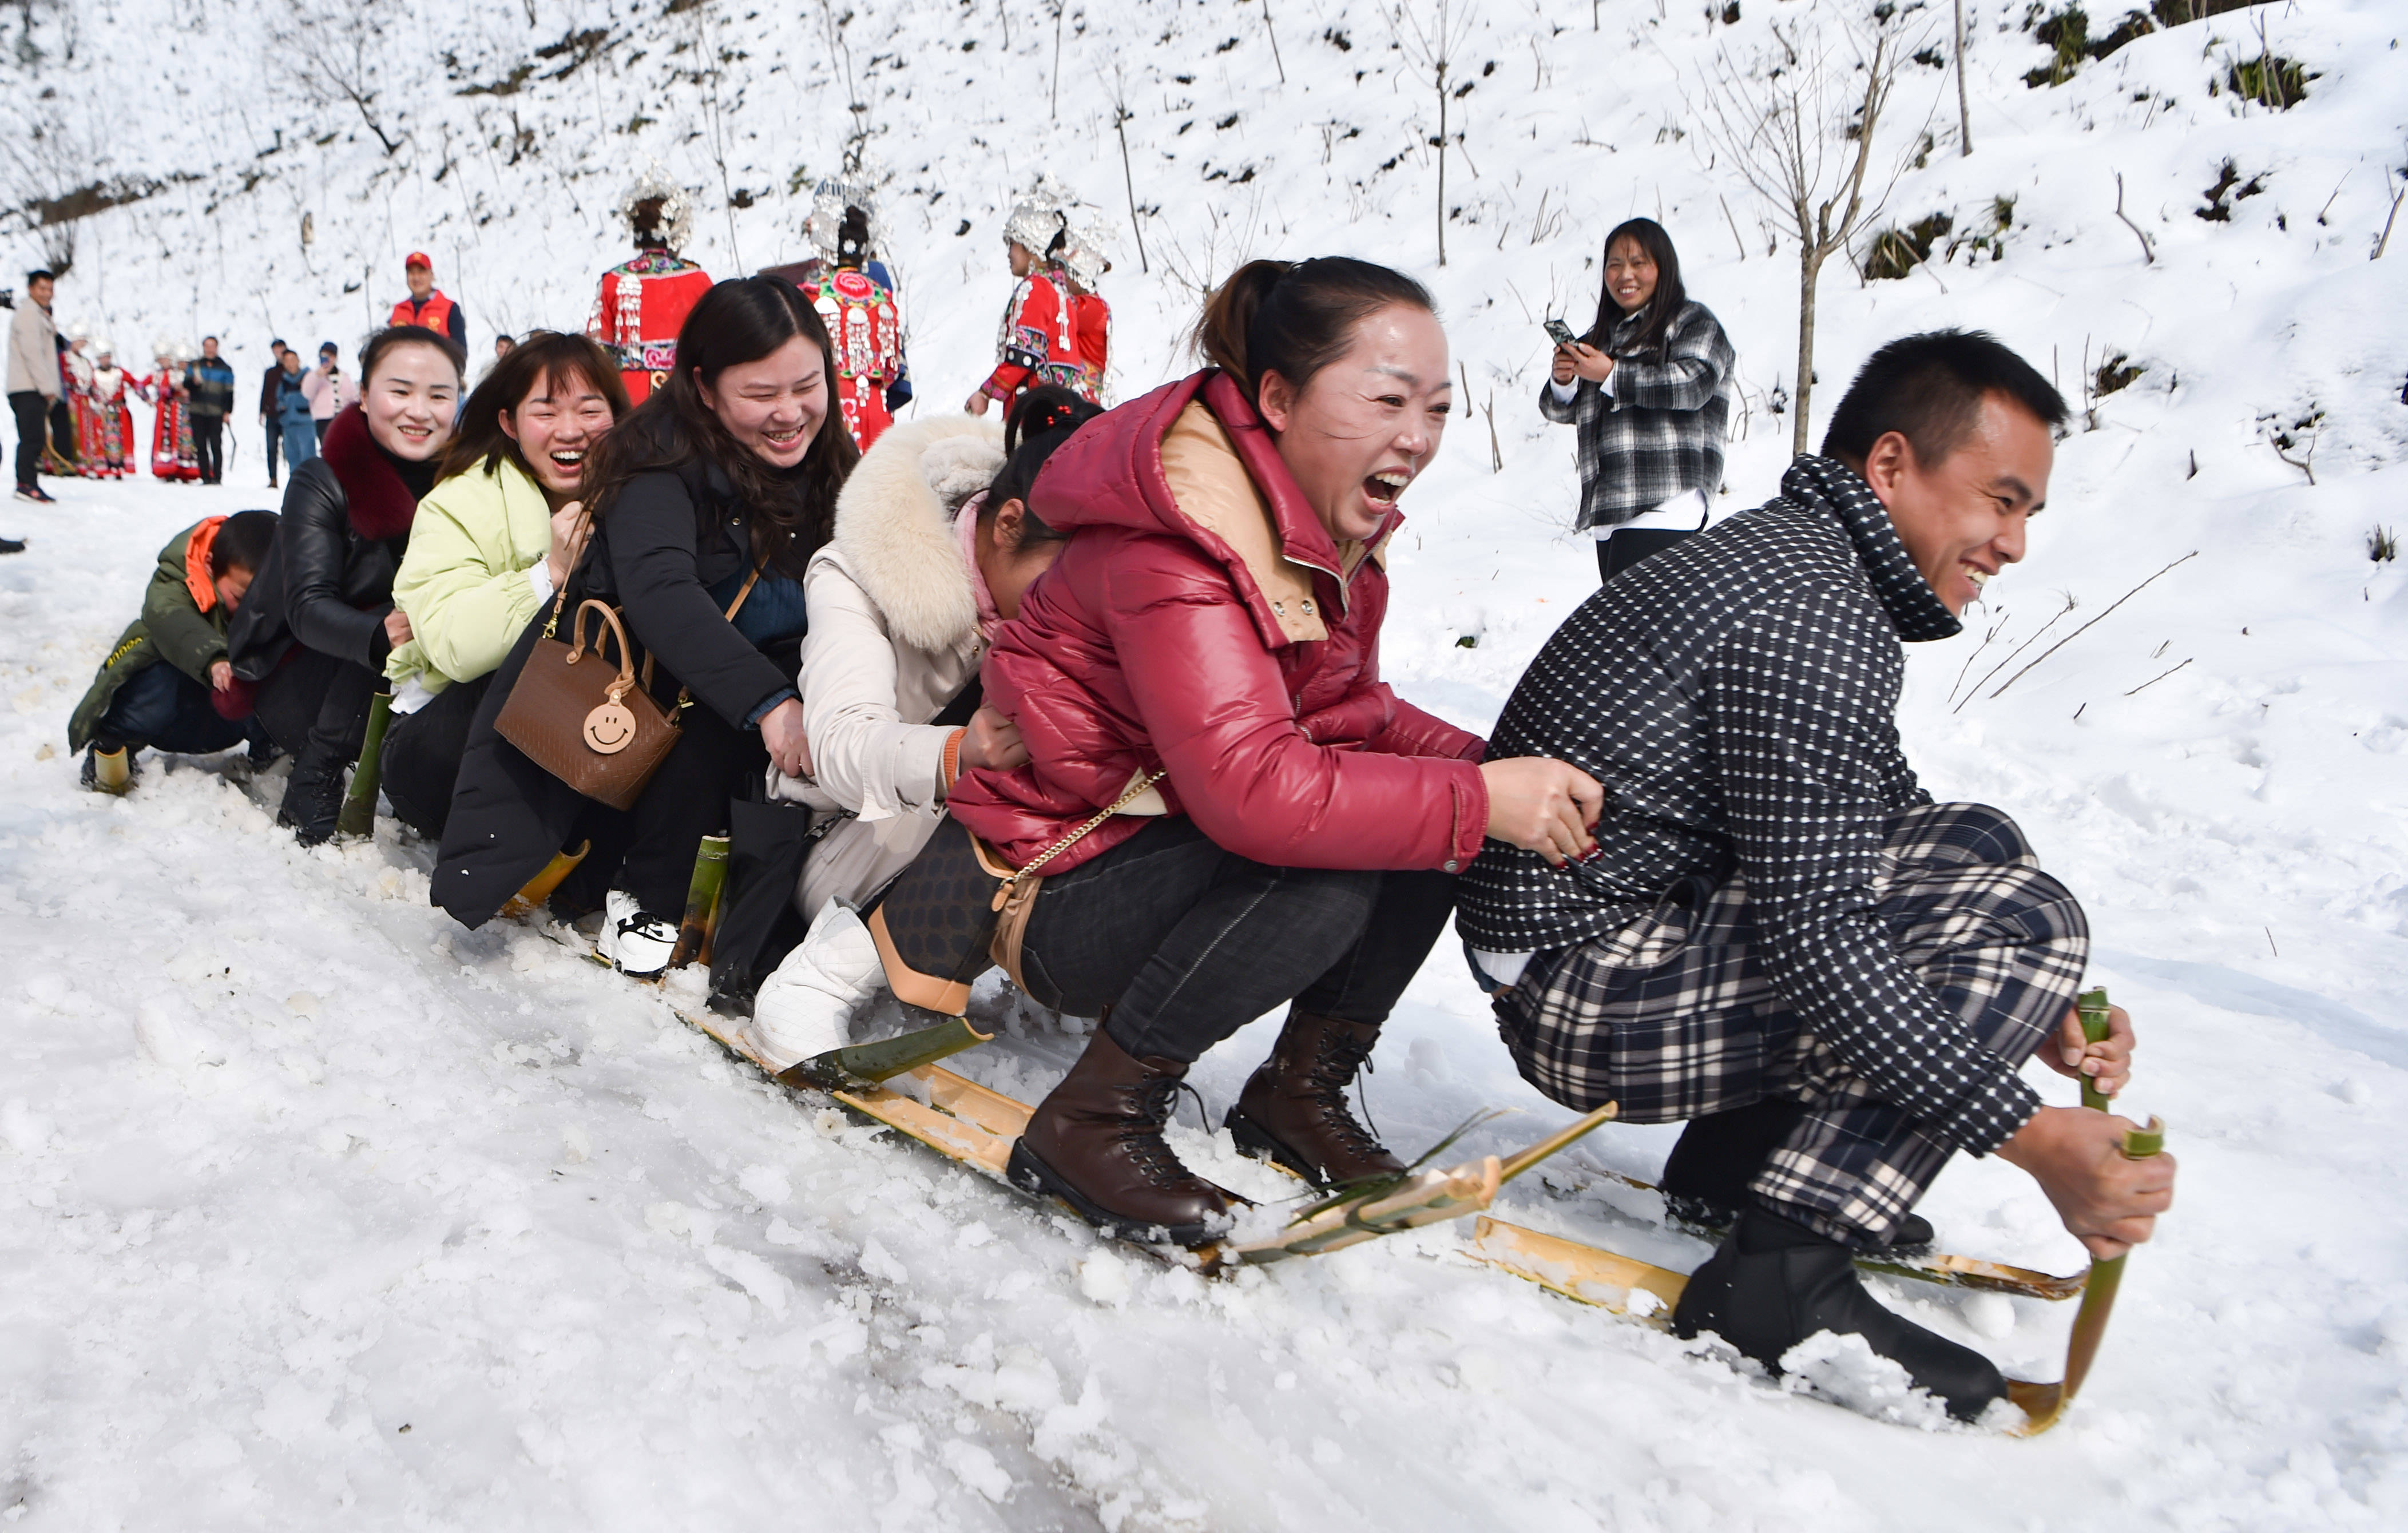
column 1561, row 334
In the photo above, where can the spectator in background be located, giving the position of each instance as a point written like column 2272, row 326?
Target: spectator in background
column 327, row 390
column 32, row 381
column 293, row 419
column 270, row 386
column 210, row 384
column 1649, row 388
column 504, row 345
column 427, row 306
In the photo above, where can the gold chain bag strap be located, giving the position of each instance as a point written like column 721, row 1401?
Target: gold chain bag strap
column 960, row 909
column 589, row 723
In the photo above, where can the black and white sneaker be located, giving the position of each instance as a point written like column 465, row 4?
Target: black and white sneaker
column 635, row 944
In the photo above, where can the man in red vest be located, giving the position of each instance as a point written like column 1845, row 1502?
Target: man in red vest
column 427, row 306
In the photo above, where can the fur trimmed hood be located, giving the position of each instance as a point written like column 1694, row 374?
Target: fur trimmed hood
column 895, row 523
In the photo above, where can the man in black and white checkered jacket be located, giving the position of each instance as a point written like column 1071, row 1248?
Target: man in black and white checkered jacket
column 1779, row 936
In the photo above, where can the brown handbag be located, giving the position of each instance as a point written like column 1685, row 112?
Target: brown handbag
column 587, row 722
column 960, row 909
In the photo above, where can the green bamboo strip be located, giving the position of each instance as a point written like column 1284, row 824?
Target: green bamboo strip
column 358, row 817
column 701, row 902
column 886, row 1058
column 2092, row 1005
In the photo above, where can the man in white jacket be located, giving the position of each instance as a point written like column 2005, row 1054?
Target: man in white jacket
column 33, row 385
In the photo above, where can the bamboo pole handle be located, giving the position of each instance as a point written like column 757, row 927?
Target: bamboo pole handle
column 2092, row 1005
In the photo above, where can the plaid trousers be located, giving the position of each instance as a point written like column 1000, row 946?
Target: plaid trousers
column 1673, row 1017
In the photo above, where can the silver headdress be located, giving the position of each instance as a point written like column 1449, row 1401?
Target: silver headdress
column 1040, row 216
column 1084, row 254
column 830, row 200
column 677, row 207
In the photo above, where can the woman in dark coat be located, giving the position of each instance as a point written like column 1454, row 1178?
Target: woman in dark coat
column 314, row 631
column 1649, row 388
column 727, row 470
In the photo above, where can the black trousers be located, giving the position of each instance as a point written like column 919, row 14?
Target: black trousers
column 1623, row 550
column 208, row 446
column 314, row 702
column 63, row 432
column 275, row 441
column 32, row 415
column 421, row 758
column 1187, row 943
column 162, row 707
column 686, row 800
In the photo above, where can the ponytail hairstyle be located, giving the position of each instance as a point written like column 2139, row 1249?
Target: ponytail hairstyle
column 738, row 320
column 853, row 238
column 1294, row 317
column 1041, row 421
column 1662, row 310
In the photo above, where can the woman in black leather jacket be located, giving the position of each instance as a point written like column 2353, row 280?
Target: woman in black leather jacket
column 727, row 469
column 315, row 632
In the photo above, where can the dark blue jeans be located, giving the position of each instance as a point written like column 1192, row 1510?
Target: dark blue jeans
column 1187, row 942
column 162, row 707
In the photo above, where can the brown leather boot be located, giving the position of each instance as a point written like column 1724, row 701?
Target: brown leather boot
column 1294, row 1108
column 1096, row 1142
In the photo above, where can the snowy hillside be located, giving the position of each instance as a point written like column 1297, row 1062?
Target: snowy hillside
column 316, row 1211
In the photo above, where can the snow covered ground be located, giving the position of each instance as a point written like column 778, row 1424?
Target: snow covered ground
column 316, row 1211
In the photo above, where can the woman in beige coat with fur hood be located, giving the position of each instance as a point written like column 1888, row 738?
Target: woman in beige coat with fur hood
column 934, row 544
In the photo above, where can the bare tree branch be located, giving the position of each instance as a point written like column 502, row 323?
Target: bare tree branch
column 335, row 53
column 1799, row 130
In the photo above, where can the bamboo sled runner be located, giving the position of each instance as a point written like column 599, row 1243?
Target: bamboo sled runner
column 967, row 1123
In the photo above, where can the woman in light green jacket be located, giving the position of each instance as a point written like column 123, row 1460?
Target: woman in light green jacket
column 493, row 539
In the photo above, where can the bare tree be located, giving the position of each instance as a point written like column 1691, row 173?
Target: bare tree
column 47, row 165
column 1121, row 118
column 1964, row 112
column 1799, row 127
column 1430, row 43
column 335, row 53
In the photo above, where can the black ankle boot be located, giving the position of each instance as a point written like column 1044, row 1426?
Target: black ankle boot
column 1775, row 1283
column 313, row 796
column 1706, row 1177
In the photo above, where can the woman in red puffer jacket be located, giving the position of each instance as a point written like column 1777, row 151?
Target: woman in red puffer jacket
column 1213, row 630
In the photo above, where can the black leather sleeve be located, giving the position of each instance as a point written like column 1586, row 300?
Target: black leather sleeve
column 316, row 539
column 652, row 536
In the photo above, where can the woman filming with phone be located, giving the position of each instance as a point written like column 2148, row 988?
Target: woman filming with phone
column 1649, row 387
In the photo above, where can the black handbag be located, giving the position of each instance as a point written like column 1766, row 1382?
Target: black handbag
column 767, row 844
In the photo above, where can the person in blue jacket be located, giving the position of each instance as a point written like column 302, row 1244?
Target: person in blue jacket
column 293, row 422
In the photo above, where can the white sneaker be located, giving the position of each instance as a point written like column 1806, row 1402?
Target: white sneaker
column 635, row 944
column 804, row 1008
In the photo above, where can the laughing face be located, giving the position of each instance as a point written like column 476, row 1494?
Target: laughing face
column 411, row 401
column 774, row 406
column 1962, row 518
column 1364, row 427
column 561, row 417
column 1631, row 275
